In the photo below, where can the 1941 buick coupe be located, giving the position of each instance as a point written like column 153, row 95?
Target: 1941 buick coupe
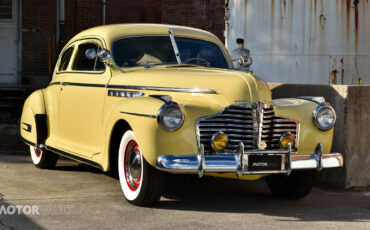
column 145, row 99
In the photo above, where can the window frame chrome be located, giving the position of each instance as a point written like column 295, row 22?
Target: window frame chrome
column 76, row 43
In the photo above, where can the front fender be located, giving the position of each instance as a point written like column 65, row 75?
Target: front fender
column 309, row 134
column 144, row 127
column 152, row 139
column 33, row 111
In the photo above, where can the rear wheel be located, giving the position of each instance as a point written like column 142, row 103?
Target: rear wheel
column 140, row 182
column 43, row 159
column 293, row 187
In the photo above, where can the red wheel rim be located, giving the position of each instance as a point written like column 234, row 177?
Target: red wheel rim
column 38, row 152
column 132, row 165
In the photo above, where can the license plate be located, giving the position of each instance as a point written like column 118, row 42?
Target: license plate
column 264, row 162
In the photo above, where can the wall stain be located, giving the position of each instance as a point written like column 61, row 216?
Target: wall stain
column 342, row 70
column 245, row 18
column 333, row 75
column 355, row 5
column 272, row 25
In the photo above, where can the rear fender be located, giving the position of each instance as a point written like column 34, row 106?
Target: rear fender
column 33, row 123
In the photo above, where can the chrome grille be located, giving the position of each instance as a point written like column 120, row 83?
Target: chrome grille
column 247, row 123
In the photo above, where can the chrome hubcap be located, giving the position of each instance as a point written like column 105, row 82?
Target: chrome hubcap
column 132, row 164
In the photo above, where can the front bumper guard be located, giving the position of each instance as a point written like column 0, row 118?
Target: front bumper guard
column 238, row 162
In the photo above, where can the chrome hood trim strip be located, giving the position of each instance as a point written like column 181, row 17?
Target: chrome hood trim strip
column 170, row 89
column 136, row 87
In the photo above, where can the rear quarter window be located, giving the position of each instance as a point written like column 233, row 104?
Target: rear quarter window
column 66, row 57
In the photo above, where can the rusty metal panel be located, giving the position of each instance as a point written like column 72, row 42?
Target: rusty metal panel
column 304, row 41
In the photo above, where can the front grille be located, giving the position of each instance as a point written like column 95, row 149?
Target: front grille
column 247, row 123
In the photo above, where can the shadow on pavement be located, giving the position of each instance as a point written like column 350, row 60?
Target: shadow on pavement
column 217, row 195
column 232, row 196
column 21, row 220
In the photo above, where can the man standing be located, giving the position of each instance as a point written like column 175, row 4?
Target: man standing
column 239, row 52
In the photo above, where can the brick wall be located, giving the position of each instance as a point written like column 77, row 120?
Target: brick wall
column 39, row 22
column 38, row 26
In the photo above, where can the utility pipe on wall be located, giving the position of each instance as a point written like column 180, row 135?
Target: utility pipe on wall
column 61, row 21
column 103, row 14
column 60, row 31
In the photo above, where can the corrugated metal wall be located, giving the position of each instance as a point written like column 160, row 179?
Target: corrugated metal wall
column 304, row 41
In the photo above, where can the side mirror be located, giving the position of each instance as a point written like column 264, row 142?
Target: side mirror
column 104, row 55
column 90, row 54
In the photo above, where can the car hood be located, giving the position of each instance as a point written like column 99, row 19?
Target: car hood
column 236, row 86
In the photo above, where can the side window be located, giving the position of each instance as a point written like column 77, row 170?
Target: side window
column 66, row 57
column 81, row 62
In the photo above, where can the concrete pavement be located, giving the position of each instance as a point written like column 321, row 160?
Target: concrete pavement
column 75, row 196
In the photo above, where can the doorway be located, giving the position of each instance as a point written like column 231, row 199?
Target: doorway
column 9, row 42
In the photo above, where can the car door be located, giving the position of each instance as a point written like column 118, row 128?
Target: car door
column 82, row 102
column 52, row 93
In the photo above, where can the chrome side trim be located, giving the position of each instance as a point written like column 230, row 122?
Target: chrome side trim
column 136, row 87
column 170, row 89
column 63, row 153
column 139, row 114
column 123, row 93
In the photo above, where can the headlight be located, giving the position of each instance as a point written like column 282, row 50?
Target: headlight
column 170, row 116
column 324, row 116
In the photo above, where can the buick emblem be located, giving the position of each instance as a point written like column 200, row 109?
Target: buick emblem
column 262, row 145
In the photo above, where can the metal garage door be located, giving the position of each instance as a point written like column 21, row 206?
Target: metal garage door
column 8, row 41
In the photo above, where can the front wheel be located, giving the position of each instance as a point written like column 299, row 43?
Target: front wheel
column 293, row 187
column 42, row 158
column 140, row 182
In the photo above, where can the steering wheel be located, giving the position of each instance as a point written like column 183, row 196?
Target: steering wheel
column 198, row 59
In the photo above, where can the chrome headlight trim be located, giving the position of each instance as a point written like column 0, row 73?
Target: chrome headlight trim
column 162, row 111
column 316, row 113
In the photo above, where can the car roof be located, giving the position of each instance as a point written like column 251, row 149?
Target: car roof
column 111, row 32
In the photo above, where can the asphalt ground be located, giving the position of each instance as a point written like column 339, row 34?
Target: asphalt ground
column 76, row 196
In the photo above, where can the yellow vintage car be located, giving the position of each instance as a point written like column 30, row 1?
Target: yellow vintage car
column 144, row 100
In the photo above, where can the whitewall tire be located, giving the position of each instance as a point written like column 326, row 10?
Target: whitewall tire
column 141, row 183
column 42, row 158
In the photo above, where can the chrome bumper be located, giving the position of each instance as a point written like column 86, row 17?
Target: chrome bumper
column 238, row 162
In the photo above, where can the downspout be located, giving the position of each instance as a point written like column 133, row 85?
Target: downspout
column 57, row 37
column 103, row 13
column 61, row 24
column 227, row 23
column 60, row 33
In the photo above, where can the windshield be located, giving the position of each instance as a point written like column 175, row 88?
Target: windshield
column 200, row 52
column 158, row 50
